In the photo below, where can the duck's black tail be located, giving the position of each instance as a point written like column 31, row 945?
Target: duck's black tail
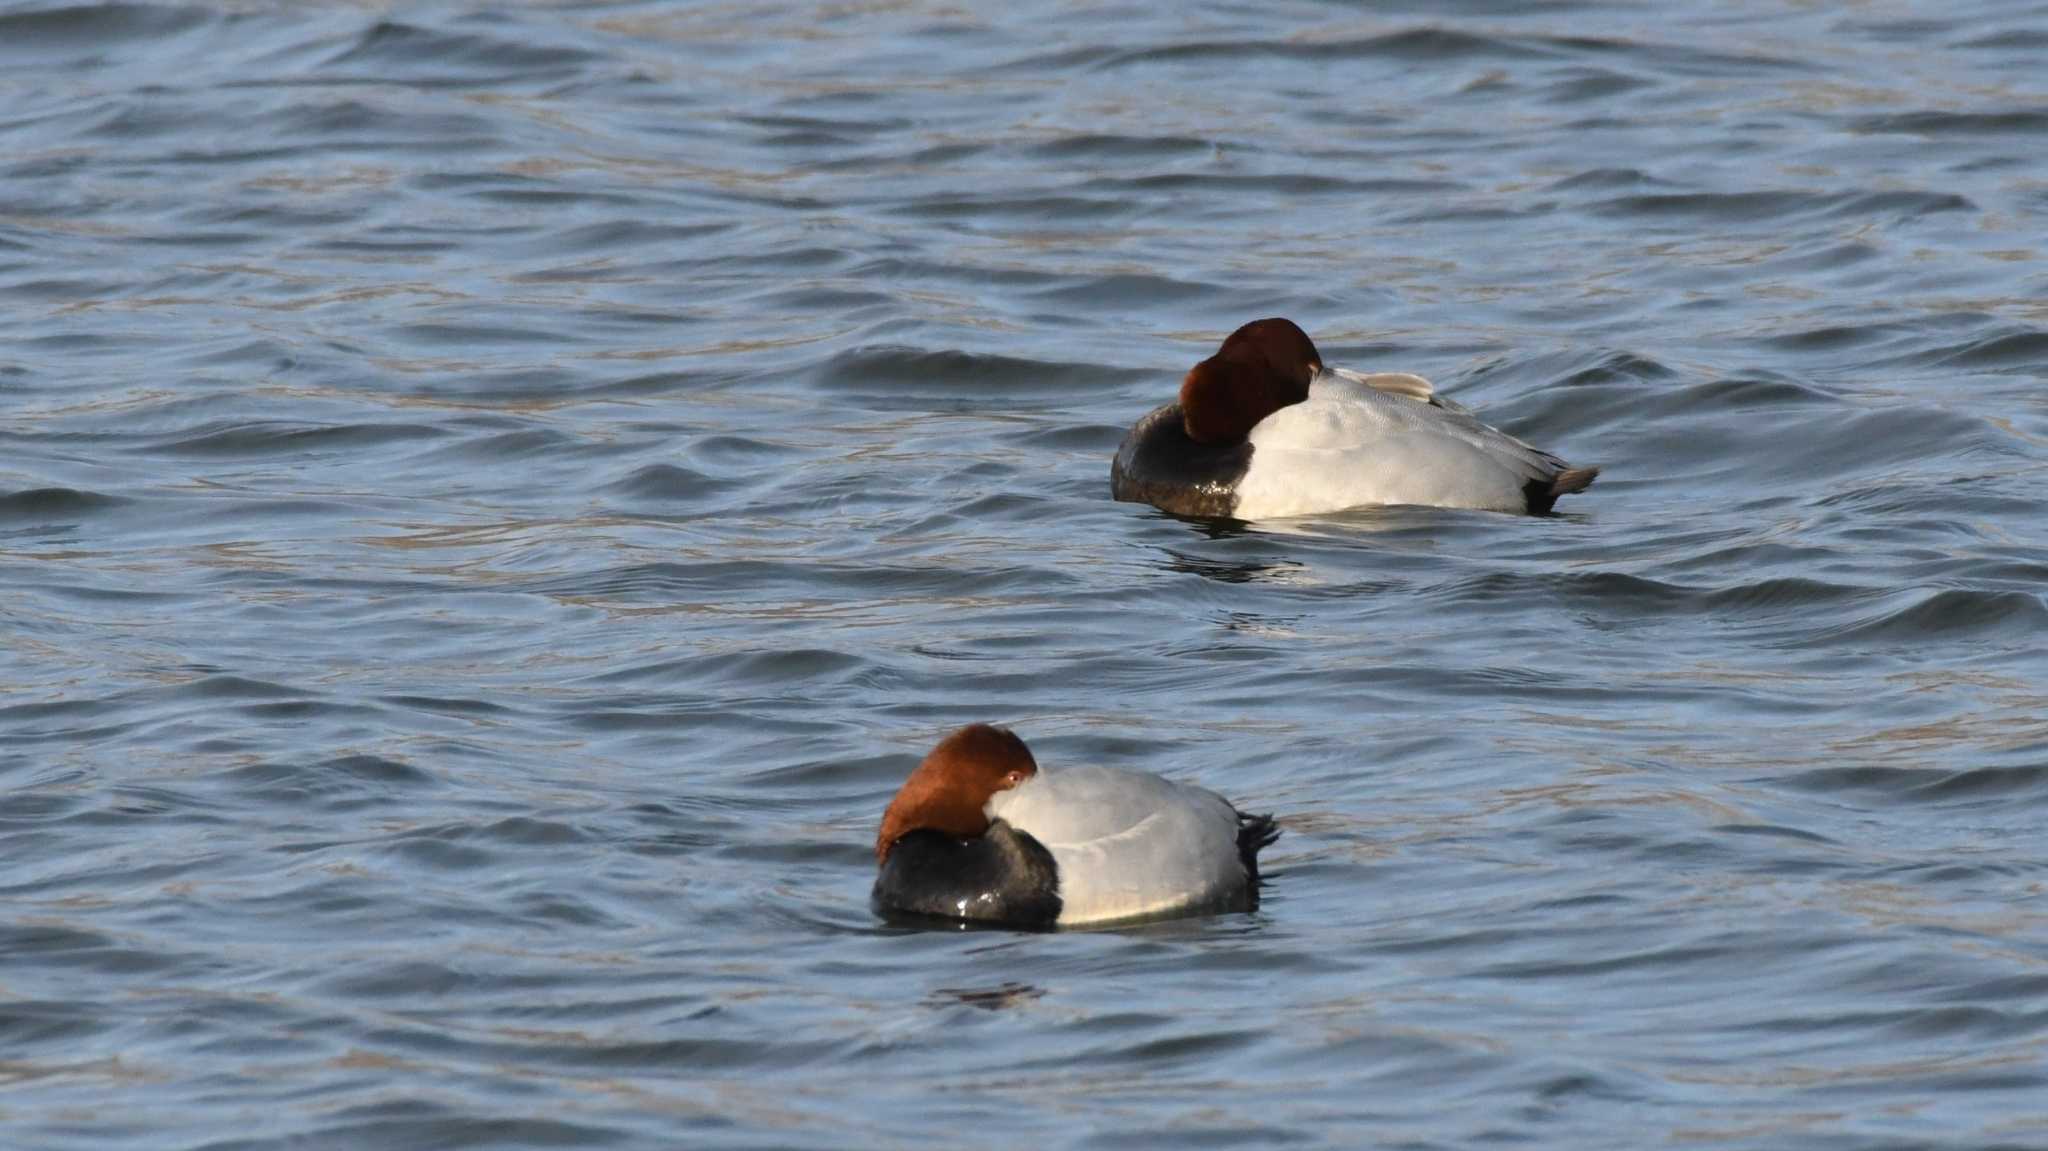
column 1253, row 833
column 1542, row 494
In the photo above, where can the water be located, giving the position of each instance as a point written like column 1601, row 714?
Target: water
column 492, row 502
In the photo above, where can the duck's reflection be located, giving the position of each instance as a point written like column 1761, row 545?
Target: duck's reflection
column 995, row 998
column 1237, row 571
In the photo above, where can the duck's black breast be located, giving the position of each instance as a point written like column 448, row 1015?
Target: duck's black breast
column 1159, row 465
column 1001, row 876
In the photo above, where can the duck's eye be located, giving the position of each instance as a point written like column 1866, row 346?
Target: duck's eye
column 1012, row 779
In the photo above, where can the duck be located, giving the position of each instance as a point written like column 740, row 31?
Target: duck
column 1264, row 430
column 980, row 834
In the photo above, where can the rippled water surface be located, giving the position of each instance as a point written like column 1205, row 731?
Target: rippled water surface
column 493, row 501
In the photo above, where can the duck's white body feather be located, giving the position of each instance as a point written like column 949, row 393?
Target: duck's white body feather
column 1128, row 844
column 1378, row 439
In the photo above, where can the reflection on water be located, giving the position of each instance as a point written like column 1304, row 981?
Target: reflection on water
column 1282, row 571
column 994, row 998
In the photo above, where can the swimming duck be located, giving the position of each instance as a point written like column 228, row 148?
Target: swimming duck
column 1263, row 429
column 978, row 832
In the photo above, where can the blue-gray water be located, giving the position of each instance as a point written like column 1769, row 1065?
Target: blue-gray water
column 492, row 502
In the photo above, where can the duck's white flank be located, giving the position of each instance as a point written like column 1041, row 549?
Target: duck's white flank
column 1127, row 844
column 1376, row 439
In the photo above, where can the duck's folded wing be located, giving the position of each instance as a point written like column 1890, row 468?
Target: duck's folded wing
column 1400, row 402
column 1130, row 845
column 1085, row 804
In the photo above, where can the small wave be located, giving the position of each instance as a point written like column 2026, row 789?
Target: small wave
column 909, row 372
column 526, row 831
column 866, row 774
column 1680, row 59
column 852, row 303
column 1283, row 183
column 2027, row 348
column 416, row 1123
column 234, row 687
column 31, row 1024
column 2017, row 617
column 1119, row 147
column 446, row 706
column 1772, row 831
column 439, row 58
column 1076, row 437
column 79, row 951
column 2014, row 121
column 672, row 581
column 730, row 450
column 143, row 122
column 1831, row 337
column 1593, row 84
column 525, row 443
column 1009, row 205
column 2009, row 38
column 1789, row 592
column 1608, row 178
column 1748, row 207
column 352, row 116
column 37, row 505
column 642, row 235
column 344, row 781
column 1127, row 288
column 355, row 123
column 445, row 335
column 835, row 127
column 1902, row 204
column 47, row 35
column 271, row 439
column 1827, row 257
column 1701, row 427
column 1418, row 44
column 1613, row 367
column 808, row 140
column 1550, row 370
column 1757, row 391
column 1956, row 505
column 1925, row 785
column 1618, row 591
column 498, row 186
column 1619, row 594
column 667, row 483
column 763, row 668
